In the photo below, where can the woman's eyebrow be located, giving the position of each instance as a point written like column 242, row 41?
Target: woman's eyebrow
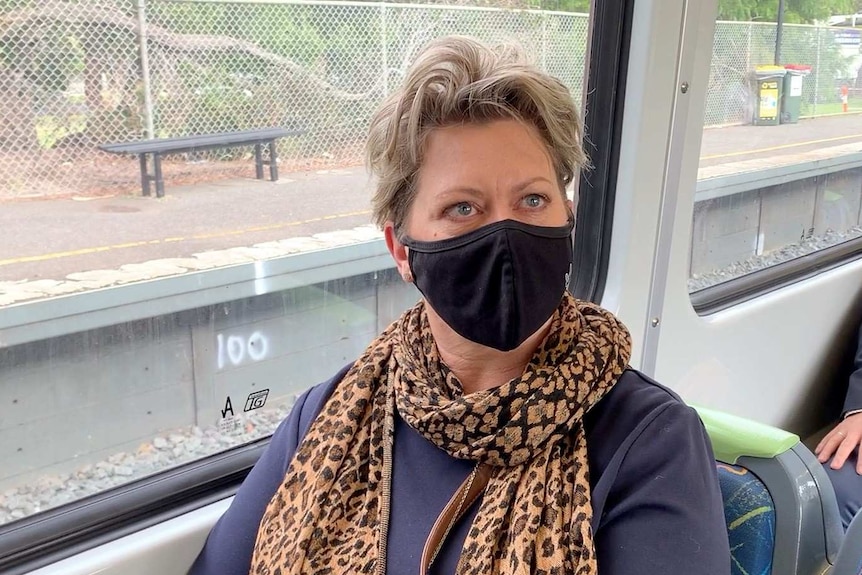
column 526, row 183
column 459, row 190
column 475, row 192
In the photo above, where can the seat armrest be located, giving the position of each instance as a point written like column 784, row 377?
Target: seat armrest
column 733, row 437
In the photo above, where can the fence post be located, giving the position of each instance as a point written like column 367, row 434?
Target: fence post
column 384, row 50
column 748, row 70
column 145, row 69
column 816, row 75
column 544, row 41
column 779, row 28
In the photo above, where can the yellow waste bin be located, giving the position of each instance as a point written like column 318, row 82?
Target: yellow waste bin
column 768, row 84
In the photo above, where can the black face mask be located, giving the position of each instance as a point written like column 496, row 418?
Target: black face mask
column 496, row 285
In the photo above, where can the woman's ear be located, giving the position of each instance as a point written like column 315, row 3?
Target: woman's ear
column 398, row 251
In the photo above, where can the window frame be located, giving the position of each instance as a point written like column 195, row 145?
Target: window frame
column 45, row 538
column 56, row 534
column 604, row 95
column 755, row 284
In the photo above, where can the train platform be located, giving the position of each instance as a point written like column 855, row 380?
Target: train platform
column 52, row 242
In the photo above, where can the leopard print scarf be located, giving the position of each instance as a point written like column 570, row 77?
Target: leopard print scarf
column 330, row 512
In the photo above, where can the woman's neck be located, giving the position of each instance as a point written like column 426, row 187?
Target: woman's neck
column 476, row 366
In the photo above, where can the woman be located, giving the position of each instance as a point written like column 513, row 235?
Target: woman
column 495, row 427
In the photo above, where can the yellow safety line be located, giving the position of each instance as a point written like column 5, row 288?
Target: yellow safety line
column 782, row 147
column 84, row 251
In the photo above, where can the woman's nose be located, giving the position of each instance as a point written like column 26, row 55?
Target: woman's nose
column 501, row 212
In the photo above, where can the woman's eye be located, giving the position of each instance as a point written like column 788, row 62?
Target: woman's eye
column 534, row 201
column 462, row 209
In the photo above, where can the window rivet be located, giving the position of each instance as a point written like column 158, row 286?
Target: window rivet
column 684, row 88
column 654, row 322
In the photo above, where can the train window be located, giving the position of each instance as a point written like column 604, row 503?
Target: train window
column 160, row 308
column 780, row 173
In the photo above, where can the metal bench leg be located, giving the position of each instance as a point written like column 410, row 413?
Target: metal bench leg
column 145, row 175
column 258, row 161
column 273, row 162
column 160, row 182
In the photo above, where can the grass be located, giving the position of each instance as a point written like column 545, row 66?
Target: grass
column 853, row 105
column 50, row 129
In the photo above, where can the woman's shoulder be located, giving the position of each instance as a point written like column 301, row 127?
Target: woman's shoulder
column 655, row 491
column 634, row 397
column 636, row 406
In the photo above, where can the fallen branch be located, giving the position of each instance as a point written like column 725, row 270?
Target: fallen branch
column 26, row 21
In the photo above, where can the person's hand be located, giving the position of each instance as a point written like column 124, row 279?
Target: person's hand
column 842, row 441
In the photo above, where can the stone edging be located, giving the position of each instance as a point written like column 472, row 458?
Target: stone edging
column 14, row 292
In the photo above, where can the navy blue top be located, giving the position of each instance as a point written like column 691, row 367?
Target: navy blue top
column 655, row 496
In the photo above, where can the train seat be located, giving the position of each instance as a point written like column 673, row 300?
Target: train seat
column 780, row 507
column 750, row 515
column 849, row 560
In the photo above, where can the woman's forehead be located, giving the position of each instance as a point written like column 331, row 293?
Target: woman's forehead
column 503, row 153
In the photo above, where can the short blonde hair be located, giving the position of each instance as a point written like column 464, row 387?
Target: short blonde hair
column 458, row 80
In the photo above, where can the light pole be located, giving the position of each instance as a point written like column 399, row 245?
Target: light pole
column 145, row 70
column 778, row 32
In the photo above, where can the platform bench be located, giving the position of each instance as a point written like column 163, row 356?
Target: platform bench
column 158, row 147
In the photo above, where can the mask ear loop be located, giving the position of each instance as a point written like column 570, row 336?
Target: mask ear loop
column 572, row 240
column 408, row 275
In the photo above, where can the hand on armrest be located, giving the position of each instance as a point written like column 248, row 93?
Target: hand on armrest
column 841, row 442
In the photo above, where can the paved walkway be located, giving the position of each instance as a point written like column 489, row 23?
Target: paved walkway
column 47, row 240
column 735, row 143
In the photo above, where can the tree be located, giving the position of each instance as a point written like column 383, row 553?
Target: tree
column 582, row 6
column 799, row 11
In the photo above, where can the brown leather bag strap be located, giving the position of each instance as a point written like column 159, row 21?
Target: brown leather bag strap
column 461, row 501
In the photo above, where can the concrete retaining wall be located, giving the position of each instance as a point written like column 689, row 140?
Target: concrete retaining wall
column 79, row 397
column 732, row 228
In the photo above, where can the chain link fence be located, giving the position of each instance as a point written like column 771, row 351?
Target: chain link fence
column 77, row 74
column 738, row 47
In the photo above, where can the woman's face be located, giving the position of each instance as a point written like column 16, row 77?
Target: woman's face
column 475, row 174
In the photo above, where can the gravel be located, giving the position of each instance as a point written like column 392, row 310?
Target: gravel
column 786, row 253
column 167, row 450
